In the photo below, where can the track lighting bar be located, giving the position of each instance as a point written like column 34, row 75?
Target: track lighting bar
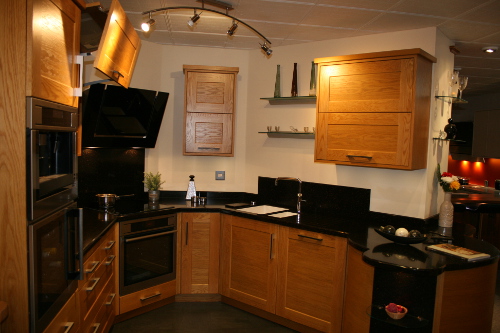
column 235, row 21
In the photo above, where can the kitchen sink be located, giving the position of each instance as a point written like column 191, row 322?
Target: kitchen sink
column 262, row 209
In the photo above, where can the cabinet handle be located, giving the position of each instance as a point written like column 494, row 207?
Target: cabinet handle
column 110, row 260
column 69, row 326
column 309, row 237
column 96, row 280
column 111, row 300
column 271, row 255
column 94, row 266
column 117, row 72
column 360, row 156
column 209, row 148
column 110, row 245
column 96, row 327
column 187, row 232
column 149, row 297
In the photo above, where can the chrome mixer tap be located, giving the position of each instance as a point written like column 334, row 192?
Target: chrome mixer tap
column 299, row 194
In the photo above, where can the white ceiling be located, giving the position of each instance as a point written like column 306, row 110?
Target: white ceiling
column 471, row 24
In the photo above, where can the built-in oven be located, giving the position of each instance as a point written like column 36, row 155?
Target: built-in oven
column 147, row 252
column 55, row 263
column 51, row 156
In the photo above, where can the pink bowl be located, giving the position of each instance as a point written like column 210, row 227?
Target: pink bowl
column 396, row 315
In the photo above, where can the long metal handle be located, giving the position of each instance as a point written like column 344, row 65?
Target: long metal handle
column 149, row 297
column 360, row 156
column 110, row 260
column 69, row 326
column 96, row 281
column 271, row 250
column 209, row 148
column 111, row 300
column 309, row 237
column 110, row 245
column 94, row 266
column 96, row 327
column 128, row 240
column 187, row 232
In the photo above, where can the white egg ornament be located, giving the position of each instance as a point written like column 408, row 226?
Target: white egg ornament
column 402, row 232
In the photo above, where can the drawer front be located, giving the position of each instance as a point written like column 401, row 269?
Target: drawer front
column 147, row 296
column 94, row 286
column 100, row 309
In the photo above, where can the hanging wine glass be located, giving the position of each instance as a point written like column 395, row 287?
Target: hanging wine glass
column 462, row 83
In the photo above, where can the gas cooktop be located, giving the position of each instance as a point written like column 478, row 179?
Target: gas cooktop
column 129, row 208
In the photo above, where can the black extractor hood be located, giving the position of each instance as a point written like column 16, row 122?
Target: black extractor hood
column 116, row 117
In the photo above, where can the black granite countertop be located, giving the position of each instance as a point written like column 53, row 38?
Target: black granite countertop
column 359, row 229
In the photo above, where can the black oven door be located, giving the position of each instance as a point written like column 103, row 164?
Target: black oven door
column 147, row 259
column 55, row 260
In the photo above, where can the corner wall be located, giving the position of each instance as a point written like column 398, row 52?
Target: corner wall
column 159, row 67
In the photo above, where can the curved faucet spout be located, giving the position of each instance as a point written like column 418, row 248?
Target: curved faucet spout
column 299, row 194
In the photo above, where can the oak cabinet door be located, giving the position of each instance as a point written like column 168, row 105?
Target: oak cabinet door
column 311, row 278
column 200, row 253
column 53, row 44
column 249, row 262
column 209, row 133
column 210, row 92
column 119, row 48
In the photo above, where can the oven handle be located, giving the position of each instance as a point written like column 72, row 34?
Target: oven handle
column 128, row 240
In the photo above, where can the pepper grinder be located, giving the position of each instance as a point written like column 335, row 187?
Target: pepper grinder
column 191, row 191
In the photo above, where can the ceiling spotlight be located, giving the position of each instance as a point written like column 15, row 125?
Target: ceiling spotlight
column 231, row 30
column 490, row 49
column 193, row 19
column 266, row 48
column 146, row 26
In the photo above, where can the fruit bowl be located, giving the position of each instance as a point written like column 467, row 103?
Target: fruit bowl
column 400, row 240
column 396, row 315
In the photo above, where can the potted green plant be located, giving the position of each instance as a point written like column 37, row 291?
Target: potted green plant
column 153, row 183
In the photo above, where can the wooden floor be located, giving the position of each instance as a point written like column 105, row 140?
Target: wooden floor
column 198, row 317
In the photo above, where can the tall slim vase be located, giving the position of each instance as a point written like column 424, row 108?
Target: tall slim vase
column 294, row 91
column 446, row 212
column 312, row 84
column 277, row 84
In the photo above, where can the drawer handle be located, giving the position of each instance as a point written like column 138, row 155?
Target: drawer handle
column 69, row 326
column 309, row 237
column 96, row 327
column 209, row 148
column 110, row 245
column 110, row 260
column 149, row 297
column 94, row 266
column 96, row 280
column 360, row 156
column 112, row 296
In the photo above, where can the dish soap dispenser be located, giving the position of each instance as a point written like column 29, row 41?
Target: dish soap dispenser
column 191, row 191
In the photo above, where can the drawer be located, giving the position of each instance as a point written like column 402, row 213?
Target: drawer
column 66, row 319
column 94, row 286
column 101, row 309
column 313, row 237
column 147, row 296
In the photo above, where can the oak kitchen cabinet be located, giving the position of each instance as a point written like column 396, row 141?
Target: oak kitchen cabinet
column 296, row 274
column 119, row 47
column 209, row 110
column 373, row 109
column 68, row 318
column 199, row 245
column 53, row 39
column 98, row 291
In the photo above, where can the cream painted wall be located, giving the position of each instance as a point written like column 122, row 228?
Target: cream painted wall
column 159, row 67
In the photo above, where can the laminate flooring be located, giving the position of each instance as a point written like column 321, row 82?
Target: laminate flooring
column 198, row 317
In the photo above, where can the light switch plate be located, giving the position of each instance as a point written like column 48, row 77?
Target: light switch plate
column 220, row 175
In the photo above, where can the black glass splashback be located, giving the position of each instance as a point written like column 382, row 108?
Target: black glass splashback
column 115, row 117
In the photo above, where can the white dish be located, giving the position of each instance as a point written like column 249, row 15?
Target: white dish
column 263, row 209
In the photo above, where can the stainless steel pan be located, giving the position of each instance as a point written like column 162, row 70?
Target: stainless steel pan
column 108, row 200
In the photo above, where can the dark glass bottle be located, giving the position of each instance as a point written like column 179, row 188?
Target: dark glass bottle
column 277, row 85
column 451, row 130
column 294, row 92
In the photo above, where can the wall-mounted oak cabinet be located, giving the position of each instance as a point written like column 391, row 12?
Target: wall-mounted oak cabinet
column 373, row 109
column 53, row 44
column 209, row 110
